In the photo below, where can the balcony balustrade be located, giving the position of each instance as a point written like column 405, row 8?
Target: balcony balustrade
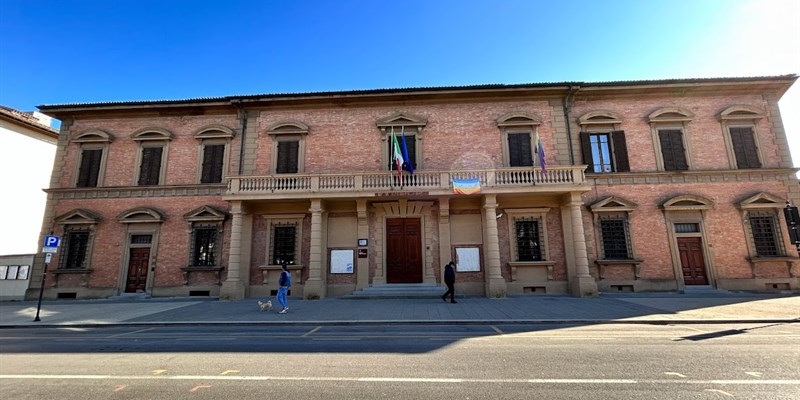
column 433, row 182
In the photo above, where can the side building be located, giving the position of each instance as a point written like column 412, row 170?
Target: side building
column 549, row 188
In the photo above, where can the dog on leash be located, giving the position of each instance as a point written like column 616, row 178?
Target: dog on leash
column 265, row 305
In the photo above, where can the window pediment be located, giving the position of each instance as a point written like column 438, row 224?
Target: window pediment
column 93, row 136
column 613, row 204
column 78, row 216
column 205, row 214
column 741, row 112
column 761, row 200
column 599, row 117
column 141, row 214
column 401, row 120
column 288, row 127
column 519, row 119
column 670, row 114
column 214, row 132
column 151, row 134
column 687, row 202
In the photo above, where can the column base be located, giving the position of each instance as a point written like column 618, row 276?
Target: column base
column 232, row 290
column 496, row 287
column 583, row 286
column 314, row 289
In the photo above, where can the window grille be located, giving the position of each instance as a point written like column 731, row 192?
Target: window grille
column 283, row 244
column 528, row 232
column 764, row 231
column 687, row 228
column 616, row 238
column 204, row 248
column 77, row 245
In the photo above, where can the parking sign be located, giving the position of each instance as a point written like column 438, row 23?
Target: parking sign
column 51, row 243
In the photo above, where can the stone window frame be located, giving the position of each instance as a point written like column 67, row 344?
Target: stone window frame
column 288, row 131
column 94, row 139
column 148, row 138
column 200, row 218
column 599, row 122
column 78, row 219
column 518, row 122
column 765, row 202
column 671, row 118
column 614, row 206
column 274, row 221
column 213, row 135
column 688, row 209
column 402, row 122
column 740, row 116
column 539, row 213
column 140, row 221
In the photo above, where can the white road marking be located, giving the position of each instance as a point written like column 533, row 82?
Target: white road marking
column 198, row 387
column 159, row 371
column 496, row 329
column 676, row 374
column 719, row 391
column 756, row 374
column 119, row 387
column 130, row 333
column 230, row 371
column 311, row 332
column 790, row 382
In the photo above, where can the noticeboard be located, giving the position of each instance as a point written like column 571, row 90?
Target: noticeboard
column 342, row 261
column 468, row 259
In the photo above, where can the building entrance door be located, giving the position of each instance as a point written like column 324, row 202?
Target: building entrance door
column 692, row 261
column 403, row 250
column 137, row 269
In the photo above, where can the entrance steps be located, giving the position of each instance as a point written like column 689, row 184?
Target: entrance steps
column 400, row 291
column 703, row 289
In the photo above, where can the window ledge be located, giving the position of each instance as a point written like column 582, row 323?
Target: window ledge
column 72, row 271
column 602, row 265
column 217, row 270
column 789, row 260
column 531, row 264
column 294, row 270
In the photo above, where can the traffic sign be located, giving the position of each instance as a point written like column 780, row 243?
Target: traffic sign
column 52, row 241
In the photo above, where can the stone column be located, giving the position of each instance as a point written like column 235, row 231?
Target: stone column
column 445, row 244
column 233, row 287
column 315, row 285
column 496, row 286
column 582, row 284
column 362, row 264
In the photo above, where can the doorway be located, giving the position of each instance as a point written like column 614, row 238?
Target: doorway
column 403, row 250
column 138, row 264
column 693, row 265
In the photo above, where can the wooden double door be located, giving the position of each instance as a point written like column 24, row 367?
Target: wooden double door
column 403, row 250
column 692, row 261
column 138, row 265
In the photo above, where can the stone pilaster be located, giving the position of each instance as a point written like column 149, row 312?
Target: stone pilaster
column 445, row 245
column 495, row 284
column 581, row 284
column 233, row 288
column 315, row 285
column 362, row 264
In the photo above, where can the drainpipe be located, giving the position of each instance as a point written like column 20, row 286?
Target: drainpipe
column 238, row 104
column 566, row 105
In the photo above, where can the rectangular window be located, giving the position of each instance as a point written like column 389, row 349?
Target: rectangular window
column 287, row 157
column 411, row 148
column 283, row 244
column 213, row 155
column 764, row 228
column 616, row 238
column 519, row 150
column 90, row 167
column 529, row 246
column 150, row 167
column 204, row 248
column 76, row 246
column 604, row 152
column 744, row 147
column 672, row 149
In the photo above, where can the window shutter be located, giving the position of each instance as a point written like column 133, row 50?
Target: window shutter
column 620, row 151
column 150, row 168
column 519, row 150
column 744, row 147
column 672, row 149
column 90, row 168
column 212, row 163
column 586, row 149
column 411, row 146
column 287, row 157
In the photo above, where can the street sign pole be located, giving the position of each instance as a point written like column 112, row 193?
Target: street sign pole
column 47, row 257
column 50, row 246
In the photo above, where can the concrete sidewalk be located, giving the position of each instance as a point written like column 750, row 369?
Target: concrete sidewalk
column 623, row 308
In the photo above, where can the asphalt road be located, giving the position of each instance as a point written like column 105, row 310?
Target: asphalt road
column 753, row 361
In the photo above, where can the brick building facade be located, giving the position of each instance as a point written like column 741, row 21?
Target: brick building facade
column 646, row 186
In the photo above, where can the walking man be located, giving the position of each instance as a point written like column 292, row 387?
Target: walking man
column 284, row 282
column 450, row 281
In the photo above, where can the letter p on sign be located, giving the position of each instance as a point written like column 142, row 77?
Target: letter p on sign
column 51, row 244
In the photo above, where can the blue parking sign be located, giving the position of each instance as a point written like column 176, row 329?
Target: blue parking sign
column 51, row 241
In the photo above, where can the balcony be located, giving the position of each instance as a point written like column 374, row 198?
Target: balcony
column 370, row 184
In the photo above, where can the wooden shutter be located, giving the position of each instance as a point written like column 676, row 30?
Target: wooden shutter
column 672, row 150
column 150, row 168
column 519, row 150
column 586, row 149
column 287, row 157
column 620, row 150
column 411, row 147
column 90, row 168
column 744, row 147
column 212, row 163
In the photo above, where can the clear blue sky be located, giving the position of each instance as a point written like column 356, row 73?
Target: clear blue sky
column 71, row 51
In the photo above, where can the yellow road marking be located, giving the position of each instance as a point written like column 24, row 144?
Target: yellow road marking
column 198, row 387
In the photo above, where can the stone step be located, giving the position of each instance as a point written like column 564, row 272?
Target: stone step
column 400, row 291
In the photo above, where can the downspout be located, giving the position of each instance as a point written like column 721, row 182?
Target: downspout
column 566, row 105
column 243, row 114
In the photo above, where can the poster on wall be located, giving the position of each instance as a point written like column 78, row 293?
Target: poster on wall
column 341, row 261
column 468, row 259
column 22, row 273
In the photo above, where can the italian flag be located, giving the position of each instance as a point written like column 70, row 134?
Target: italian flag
column 397, row 155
